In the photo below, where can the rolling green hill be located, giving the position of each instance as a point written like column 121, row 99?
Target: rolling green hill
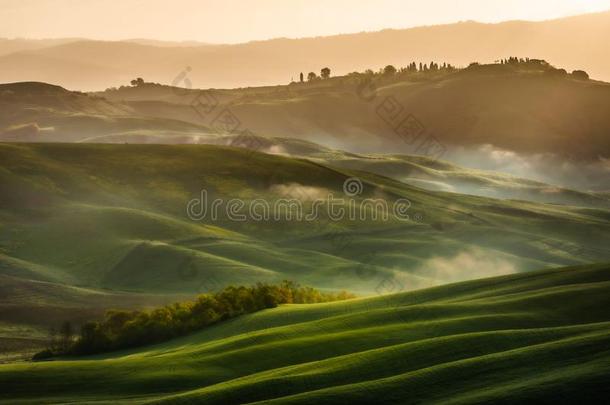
column 542, row 336
column 114, row 216
column 92, row 226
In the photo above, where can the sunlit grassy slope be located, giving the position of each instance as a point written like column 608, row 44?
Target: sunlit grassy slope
column 540, row 336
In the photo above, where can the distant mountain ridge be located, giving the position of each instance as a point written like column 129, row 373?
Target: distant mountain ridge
column 95, row 65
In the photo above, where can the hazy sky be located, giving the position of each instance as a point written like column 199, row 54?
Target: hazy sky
column 230, row 21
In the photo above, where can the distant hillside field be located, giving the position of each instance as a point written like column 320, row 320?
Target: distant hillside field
column 530, row 120
column 523, row 110
column 528, row 112
column 536, row 337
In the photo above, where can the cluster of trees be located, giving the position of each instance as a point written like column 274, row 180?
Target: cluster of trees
column 311, row 76
column 527, row 63
column 540, row 64
column 137, row 82
column 387, row 73
column 390, row 71
column 513, row 60
column 432, row 67
column 413, row 67
column 125, row 329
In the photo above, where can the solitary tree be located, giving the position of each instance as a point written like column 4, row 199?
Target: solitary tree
column 325, row 73
column 389, row 70
column 301, row 77
column 311, row 76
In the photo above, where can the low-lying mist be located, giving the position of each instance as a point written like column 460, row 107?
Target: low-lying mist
column 557, row 170
column 469, row 264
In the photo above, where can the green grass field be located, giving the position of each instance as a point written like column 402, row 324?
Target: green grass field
column 540, row 336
